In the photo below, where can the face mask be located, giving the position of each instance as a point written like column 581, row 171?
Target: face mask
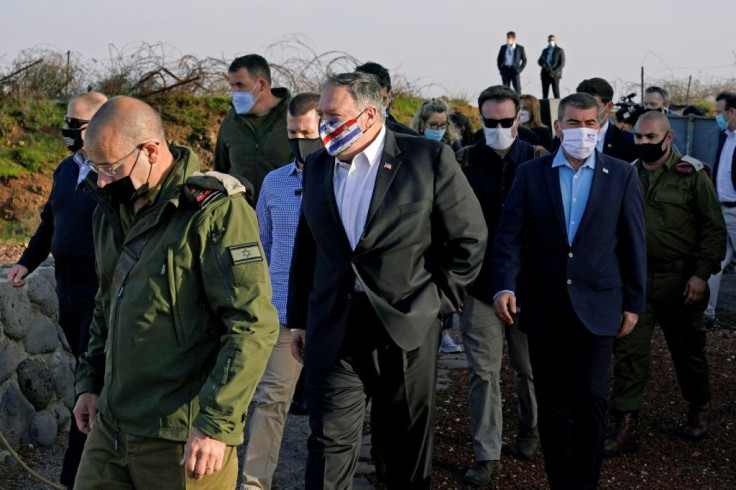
column 385, row 112
column 721, row 122
column 434, row 134
column 523, row 117
column 303, row 147
column 650, row 152
column 338, row 136
column 498, row 138
column 243, row 102
column 551, row 44
column 122, row 191
column 602, row 117
column 579, row 142
column 72, row 139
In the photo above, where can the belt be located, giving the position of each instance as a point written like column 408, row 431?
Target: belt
column 671, row 266
column 728, row 204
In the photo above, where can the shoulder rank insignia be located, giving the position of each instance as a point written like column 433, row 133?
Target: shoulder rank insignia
column 689, row 165
column 200, row 189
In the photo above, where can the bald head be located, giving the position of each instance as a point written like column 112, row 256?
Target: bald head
column 654, row 119
column 127, row 121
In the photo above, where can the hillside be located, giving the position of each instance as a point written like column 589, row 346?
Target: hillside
column 32, row 147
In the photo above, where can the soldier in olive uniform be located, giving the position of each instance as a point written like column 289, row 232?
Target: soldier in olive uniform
column 686, row 241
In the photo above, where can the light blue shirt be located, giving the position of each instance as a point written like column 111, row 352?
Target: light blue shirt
column 575, row 189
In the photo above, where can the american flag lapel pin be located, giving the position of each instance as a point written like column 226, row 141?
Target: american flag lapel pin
column 387, row 166
column 605, row 170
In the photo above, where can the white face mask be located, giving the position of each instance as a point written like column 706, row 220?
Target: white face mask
column 579, row 142
column 523, row 117
column 499, row 138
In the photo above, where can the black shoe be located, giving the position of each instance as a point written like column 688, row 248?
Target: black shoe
column 527, row 443
column 483, row 472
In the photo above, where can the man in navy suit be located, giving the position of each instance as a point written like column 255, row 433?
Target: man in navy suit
column 724, row 180
column 571, row 242
column 511, row 61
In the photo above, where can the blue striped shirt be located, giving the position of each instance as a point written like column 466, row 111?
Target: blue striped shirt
column 278, row 215
column 575, row 189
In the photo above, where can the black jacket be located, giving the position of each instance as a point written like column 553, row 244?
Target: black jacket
column 721, row 141
column 519, row 58
column 422, row 246
column 553, row 69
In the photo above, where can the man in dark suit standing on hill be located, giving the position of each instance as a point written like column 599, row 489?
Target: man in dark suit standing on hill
column 552, row 60
column 389, row 237
column 511, row 61
column 571, row 242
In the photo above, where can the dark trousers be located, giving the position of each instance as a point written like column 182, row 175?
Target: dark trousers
column 570, row 367
column 510, row 76
column 548, row 80
column 684, row 331
column 401, row 385
column 74, row 321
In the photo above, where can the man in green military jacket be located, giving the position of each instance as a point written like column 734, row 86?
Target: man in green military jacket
column 686, row 241
column 253, row 140
column 183, row 324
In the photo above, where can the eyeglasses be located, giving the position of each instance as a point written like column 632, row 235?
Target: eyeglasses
column 434, row 125
column 110, row 169
column 493, row 123
column 75, row 123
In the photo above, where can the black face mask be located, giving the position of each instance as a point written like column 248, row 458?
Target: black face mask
column 122, row 191
column 303, row 147
column 72, row 139
column 650, row 152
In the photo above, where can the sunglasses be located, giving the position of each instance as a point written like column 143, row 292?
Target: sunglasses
column 74, row 123
column 493, row 123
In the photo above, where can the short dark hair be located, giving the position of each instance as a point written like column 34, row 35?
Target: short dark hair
column 511, row 34
column 658, row 90
column 373, row 68
column 596, row 86
column 551, row 35
column 255, row 64
column 579, row 100
column 499, row 93
column 729, row 97
column 302, row 103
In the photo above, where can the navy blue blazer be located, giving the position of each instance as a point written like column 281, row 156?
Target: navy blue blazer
column 721, row 141
column 601, row 274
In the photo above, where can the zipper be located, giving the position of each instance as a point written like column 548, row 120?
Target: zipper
column 226, row 371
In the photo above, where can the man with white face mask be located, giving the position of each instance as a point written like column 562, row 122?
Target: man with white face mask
column 252, row 139
column 571, row 244
column 490, row 167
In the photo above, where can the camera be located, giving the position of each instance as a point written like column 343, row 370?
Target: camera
column 628, row 111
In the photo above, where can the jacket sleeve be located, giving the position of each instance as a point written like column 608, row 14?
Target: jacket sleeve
column 238, row 290
column 222, row 154
column 458, row 214
column 91, row 371
column 632, row 244
column 301, row 275
column 561, row 60
column 712, row 237
column 522, row 54
column 39, row 245
column 500, row 57
column 510, row 237
column 264, row 219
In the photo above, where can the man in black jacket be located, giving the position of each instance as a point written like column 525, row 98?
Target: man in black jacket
column 511, row 61
column 490, row 166
column 552, row 60
column 389, row 237
column 66, row 231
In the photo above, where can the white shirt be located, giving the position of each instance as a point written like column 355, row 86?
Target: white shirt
column 354, row 183
column 726, row 192
column 602, row 136
column 510, row 55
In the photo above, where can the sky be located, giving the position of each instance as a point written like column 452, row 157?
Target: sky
column 442, row 48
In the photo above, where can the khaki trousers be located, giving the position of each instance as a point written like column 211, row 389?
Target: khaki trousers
column 143, row 463
column 272, row 401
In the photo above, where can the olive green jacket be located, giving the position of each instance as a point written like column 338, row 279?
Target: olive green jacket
column 185, row 339
column 251, row 146
column 684, row 224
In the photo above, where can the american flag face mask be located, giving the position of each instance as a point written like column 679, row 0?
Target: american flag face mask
column 338, row 136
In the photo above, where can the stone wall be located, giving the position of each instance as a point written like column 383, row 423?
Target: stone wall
column 36, row 363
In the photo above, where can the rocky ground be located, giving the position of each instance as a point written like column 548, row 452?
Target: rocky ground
column 664, row 460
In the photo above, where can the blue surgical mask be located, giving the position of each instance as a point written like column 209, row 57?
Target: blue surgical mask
column 721, row 122
column 243, row 102
column 434, row 134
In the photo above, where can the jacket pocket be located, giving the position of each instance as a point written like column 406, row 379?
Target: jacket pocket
column 608, row 283
column 415, row 206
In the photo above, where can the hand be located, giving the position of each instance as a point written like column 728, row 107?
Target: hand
column 505, row 305
column 694, row 290
column 628, row 322
column 297, row 344
column 16, row 276
column 85, row 412
column 202, row 455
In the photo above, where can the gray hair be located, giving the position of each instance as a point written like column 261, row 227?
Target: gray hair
column 363, row 88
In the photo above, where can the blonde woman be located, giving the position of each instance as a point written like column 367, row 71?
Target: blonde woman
column 431, row 121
